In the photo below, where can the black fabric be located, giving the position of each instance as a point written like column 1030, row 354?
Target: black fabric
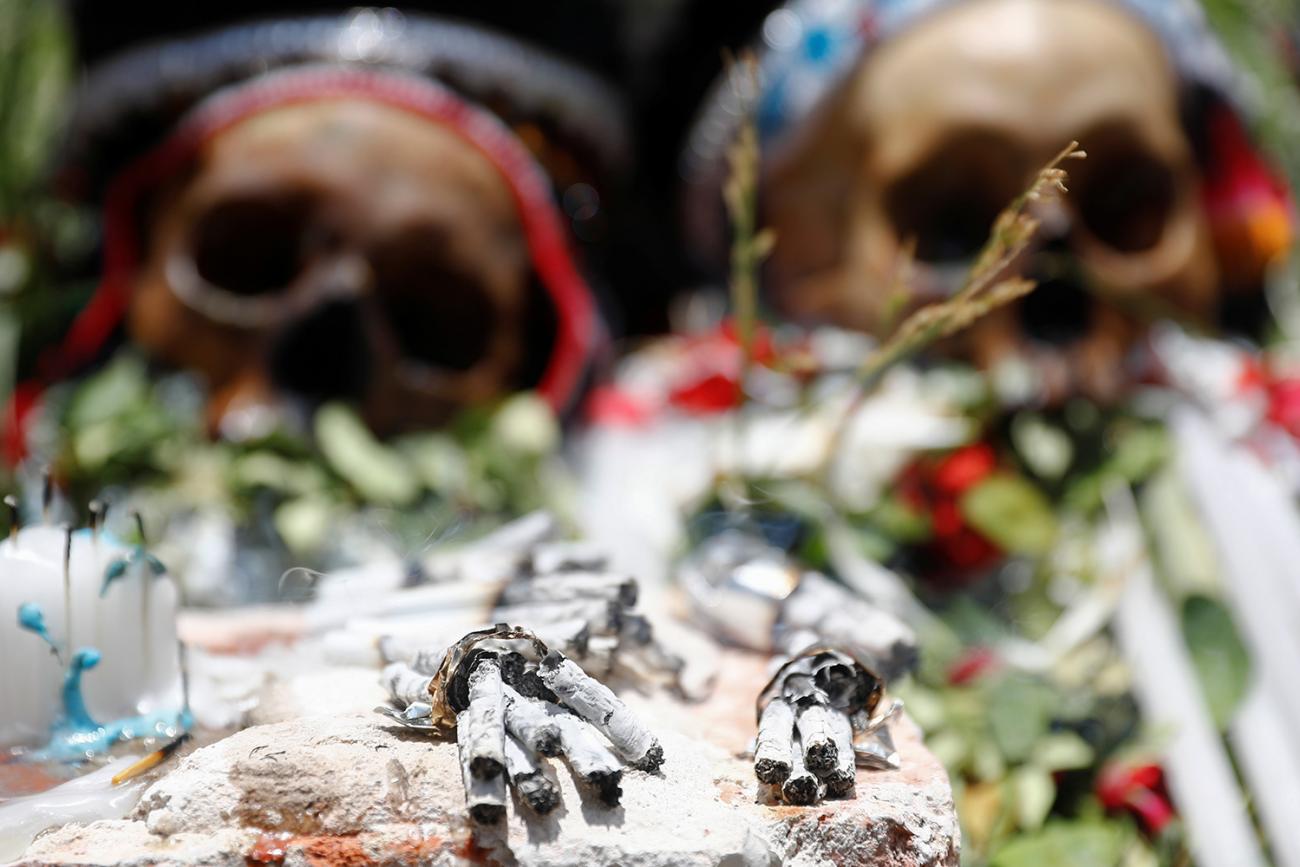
column 584, row 31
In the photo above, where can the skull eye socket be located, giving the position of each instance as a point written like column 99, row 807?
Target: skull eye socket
column 252, row 245
column 1124, row 194
column 440, row 314
column 949, row 203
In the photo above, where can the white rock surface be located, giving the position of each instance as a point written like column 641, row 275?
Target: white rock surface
column 353, row 790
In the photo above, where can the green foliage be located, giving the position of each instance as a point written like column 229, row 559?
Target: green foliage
column 35, row 64
column 1012, row 513
column 1220, row 659
column 1066, row 844
column 121, row 425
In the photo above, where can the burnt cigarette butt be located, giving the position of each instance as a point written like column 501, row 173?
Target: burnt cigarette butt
column 814, row 723
column 530, row 779
column 775, row 741
column 480, row 727
column 529, row 721
column 572, row 587
column 594, row 764
column 485, row 798
column 597, row 704
column 841, row 779
column 802, row 787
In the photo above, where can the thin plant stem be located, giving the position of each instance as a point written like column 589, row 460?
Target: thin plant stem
column 984, row 289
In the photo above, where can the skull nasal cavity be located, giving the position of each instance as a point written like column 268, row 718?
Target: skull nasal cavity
column 1058, row 312
column 324, row 356
column 251, row 246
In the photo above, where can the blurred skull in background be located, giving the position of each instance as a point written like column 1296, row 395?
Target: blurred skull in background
column 338, row 250
column 917, row 142
column 374, row 207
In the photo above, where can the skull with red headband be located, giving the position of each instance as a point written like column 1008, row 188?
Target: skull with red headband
column 381, row 208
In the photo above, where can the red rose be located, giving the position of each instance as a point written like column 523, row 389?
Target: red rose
column 964, row 468
column 1139, row 789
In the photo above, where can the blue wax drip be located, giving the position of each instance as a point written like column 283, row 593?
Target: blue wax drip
column 32, row 619
column 76, row 735
column 138, row 558
column 75, row 714
column 72, row 745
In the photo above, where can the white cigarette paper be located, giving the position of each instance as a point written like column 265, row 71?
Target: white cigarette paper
column 590, row 759
column 775, row 741
column 532, row 723
column 485, row 798
column 572, row 586
column 553, row 557
column 406, row 686
column 841, row 779
column 597, row 704
column 815, row 726
column 602, row 615
column 481, row 726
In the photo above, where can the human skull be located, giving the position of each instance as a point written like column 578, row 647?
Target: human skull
column 337, row 249
column 944, row 125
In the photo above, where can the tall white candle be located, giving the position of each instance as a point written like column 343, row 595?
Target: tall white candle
column 130, row 621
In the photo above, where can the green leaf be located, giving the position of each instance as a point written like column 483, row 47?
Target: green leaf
column 108, row 393
column 986, row 762
column 1062, row 844
column 304, row 523
column 440, row 461
column 950, row 748
column 899, row 521
column 525, row 424
column 1045, row 449
column 1139, row 452
column 377, row 473
column 1062, row 751
column 1219, row 657
column 1019, row 713
column 1012, row 513
column 1034, row 792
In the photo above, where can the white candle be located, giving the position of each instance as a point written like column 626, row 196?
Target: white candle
column 131, row 622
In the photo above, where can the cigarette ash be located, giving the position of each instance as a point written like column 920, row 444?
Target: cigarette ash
column 514, row 702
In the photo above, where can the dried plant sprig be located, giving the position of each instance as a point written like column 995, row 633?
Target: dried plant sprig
column 984, row 290
column 749, row 244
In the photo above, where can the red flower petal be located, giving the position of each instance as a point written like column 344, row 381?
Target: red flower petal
column 945, row 519
column 715, row 392
column 1284, row 405
column 973, row 664
column 965, row 467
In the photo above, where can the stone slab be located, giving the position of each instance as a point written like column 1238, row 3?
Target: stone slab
column 351, row 789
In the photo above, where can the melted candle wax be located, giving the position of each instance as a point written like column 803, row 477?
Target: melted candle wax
column 88, row 654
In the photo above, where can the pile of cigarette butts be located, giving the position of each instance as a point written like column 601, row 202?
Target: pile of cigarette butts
column 513, row 696
column 512, row 701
